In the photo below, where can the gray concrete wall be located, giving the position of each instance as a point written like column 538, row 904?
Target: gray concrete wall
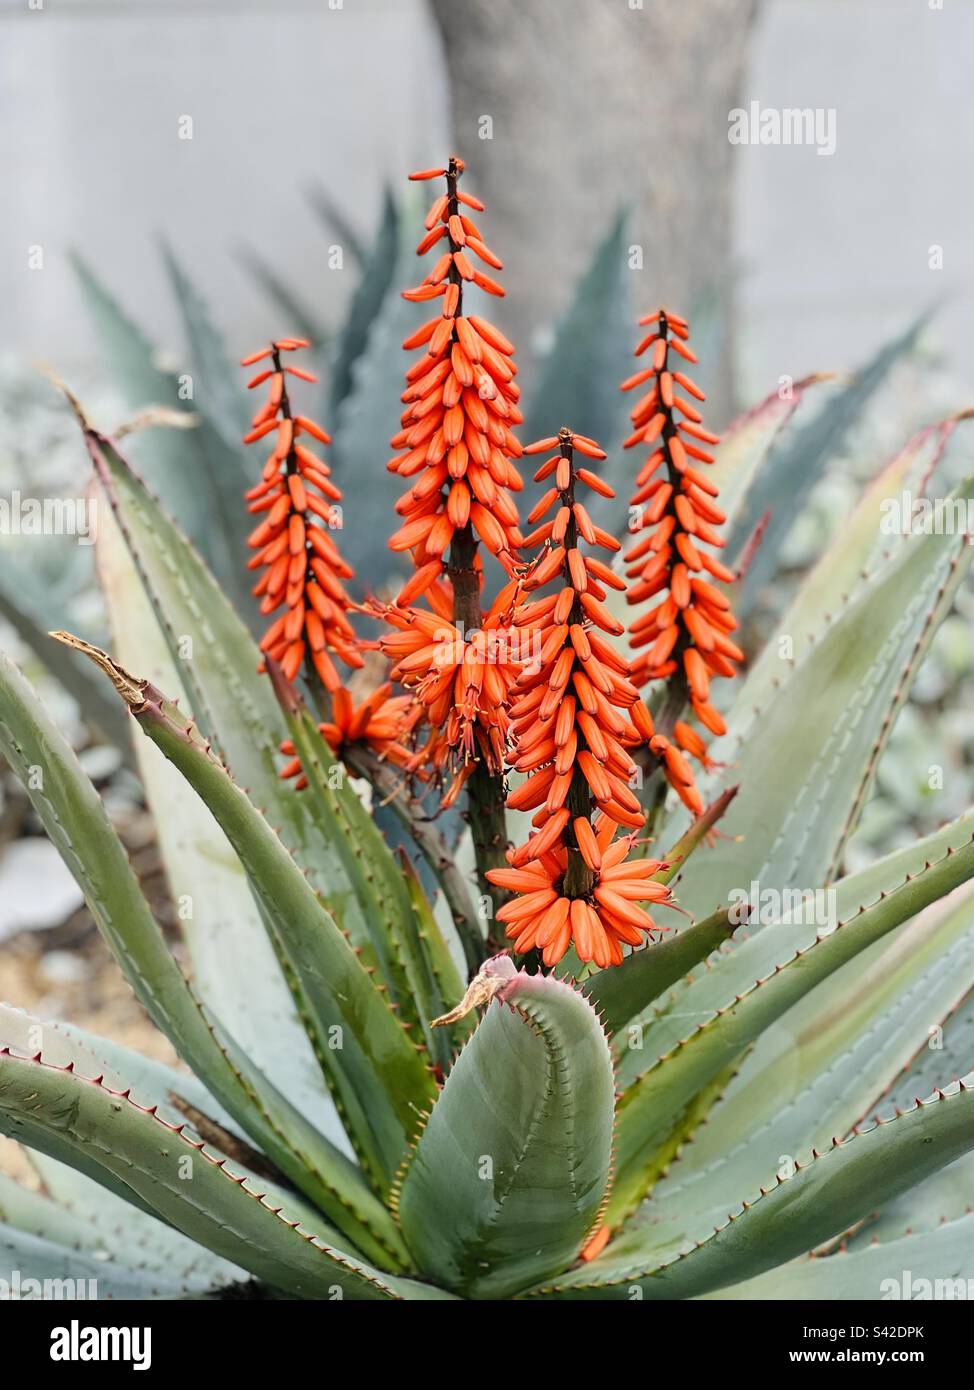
column 833, row 252
column 280, row 93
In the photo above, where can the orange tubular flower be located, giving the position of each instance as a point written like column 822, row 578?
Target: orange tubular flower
column 571, row 878
column 303, row 569
column 462, row 682
column 686, row 631
column 461, row 401
column 378, row 723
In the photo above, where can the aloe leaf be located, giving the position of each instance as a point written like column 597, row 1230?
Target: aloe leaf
column 217, row 661
column 579, row 380
column 826, row 1065
column 293, row 312
column 36, row 1267
column 858, row 550
column 37, row 1215
column 621, row 993
column 78, row 826
column 819, row 1070
column 944, row 1058
column 110, row 1137
column 438, row 983
column 793, row 1216
column 378, row 1079
column 370, row 293
column 844, row 697
column 444, row 863
column 218, row 383
column 509, row 1174
column 19, row 609
column 62, row 1234
column 234, row 970
column 744, row 445
column 335, row 220
column 792, row 469
column 369, row 867
column 932, row 1264
column 131, row 1236
column 65, row 1043
column 732, row 971
column 195, row 471
column 651, row 1107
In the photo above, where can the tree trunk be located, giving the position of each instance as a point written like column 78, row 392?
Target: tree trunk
column 566, row 110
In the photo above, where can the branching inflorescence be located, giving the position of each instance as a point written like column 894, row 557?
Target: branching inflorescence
column 536, row 684
column 457, row 444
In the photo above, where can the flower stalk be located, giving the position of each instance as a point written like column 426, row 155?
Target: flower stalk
column 684, row 638
column 461, row 402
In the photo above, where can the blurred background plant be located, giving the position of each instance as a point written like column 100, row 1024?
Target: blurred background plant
column 325, row 249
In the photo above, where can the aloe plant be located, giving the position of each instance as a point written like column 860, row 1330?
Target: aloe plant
column 379, row 1101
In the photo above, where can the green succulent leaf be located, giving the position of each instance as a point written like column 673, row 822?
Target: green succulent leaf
column 438, row 982
column 362, row 432
column 818, row 1071
column 366, row 859
column 793, row 1216
column 218, row 662
column 509, row 1174
column 78, row 826
column 843, row 697
column 781, row 487
column 165, row 1265
column 370, row 293
column 579, row 383
column 932, row 1264
column 858, row 551
column 943, row 1057
column 21, row 609
column 37, row 1267
column 144, row 1152
column 234, row 970
column 218, row 383
column 622, row 993
column 651, row 1107
column 198, row 473
column 744, row 446
column 380, row 1083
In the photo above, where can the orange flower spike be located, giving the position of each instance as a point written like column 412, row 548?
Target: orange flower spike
column 302, row 569
column 461, row 405
column 685, row 635
column 569, row 880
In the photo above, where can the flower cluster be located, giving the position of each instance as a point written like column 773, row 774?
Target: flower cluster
column 570, row 737
column 686, row 630
column 537, row 685
column 460, row 404
column 303, row 569
column 379, row 723
column 462, row 681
